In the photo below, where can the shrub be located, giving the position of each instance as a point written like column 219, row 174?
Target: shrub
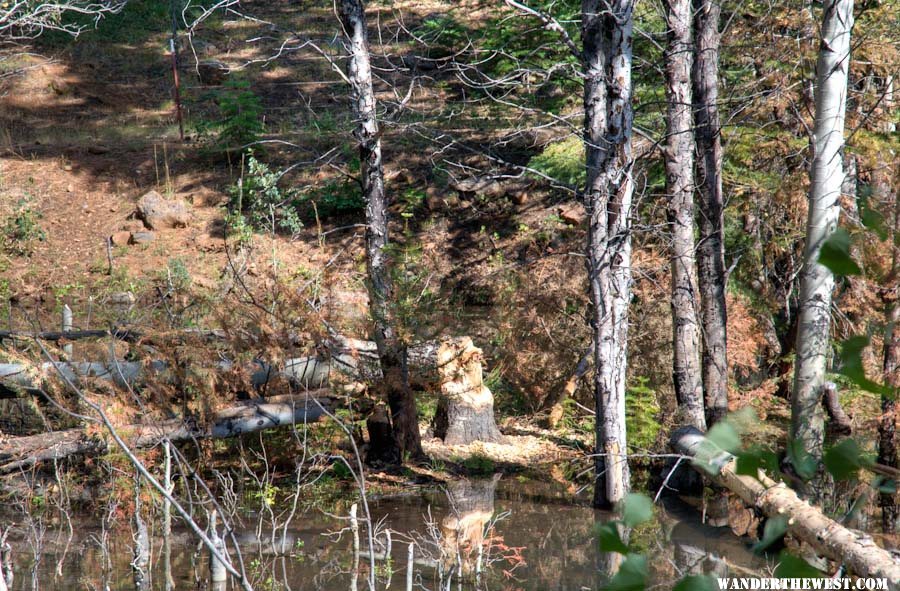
column 258, row 197
column 240, row 117
column 22, row 229
column 562, row 161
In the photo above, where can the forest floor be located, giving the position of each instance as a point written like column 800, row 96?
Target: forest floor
column 90, row 127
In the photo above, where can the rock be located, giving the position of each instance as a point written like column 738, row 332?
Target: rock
column 121, row 298
column 518, row 197
column 133, row 226
column 120, row 238
column 142, row 238
column 212, row 72
column 573, row 214
column 159, row 213
column 70, row 188
column 97, row 150
column 482, row 186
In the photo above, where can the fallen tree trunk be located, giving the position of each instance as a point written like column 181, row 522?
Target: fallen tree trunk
column 805, row 522
column 247, row 417
column 354, row 358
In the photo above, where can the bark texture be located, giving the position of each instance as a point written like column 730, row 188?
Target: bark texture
column 805, row 522
column 679, row 157
column 391, row 350
column 887, row 425
column 711, row 205
column 607, row 56
column 465, row 411
column 826, row 177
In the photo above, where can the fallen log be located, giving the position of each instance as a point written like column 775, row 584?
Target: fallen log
column 805, row 522
column 17, row 453
column 17, row 379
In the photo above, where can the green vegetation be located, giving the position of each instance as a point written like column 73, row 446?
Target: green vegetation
column 22, row 229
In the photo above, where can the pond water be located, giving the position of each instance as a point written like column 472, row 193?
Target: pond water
column 526, row 542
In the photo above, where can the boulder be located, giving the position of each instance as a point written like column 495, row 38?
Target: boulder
column 159, row 213
column 484, row 186
column 573, row 214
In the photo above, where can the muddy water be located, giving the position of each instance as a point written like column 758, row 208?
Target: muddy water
column 526, row 542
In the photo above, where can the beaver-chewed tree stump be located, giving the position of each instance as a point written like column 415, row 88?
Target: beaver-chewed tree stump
column 465, row 411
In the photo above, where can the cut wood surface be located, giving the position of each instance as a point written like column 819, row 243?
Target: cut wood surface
column 246, row 417
column 805, row 522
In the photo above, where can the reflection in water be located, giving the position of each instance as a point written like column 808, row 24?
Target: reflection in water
column 474, row 534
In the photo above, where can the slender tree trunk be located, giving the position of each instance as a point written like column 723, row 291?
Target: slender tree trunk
column 607, row 39
column 887, row 426
column 679, row 156
column 391, row 350
column 711, row 206
column 826, row 177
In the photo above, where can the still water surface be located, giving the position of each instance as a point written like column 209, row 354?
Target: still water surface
column 536, row 543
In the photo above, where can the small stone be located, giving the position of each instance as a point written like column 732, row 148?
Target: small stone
column 120, row 238
column 519, row 197
column 67, row 167
column 70, row 188
column 142, row 237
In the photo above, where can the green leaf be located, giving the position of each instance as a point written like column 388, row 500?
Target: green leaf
column 835, row 254
column 772, row 532
column 870, row 217
column 750, row 461
column 794, row 567
column 638, row 508
column 885, row 485
column 632, row 575
column 844, row 460
column 609, row 539
column 851, row 366
column 724, row 435
column 804, row 464
column 696, row 583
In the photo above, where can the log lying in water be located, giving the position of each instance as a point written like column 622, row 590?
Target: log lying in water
column 246, row 417
column 805, row 522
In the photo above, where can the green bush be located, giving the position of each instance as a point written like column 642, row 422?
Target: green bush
column 263, row 204
column 240, row 118
column 563, row 161
column 641, row 412
column 22, row 229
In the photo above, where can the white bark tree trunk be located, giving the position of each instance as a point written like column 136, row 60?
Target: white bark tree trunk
column 607, row 41
column 826, row 177
column 679, row 157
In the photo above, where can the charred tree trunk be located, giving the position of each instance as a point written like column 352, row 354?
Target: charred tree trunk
column 711, row 205
column 465, row 411
column 826, row 178
column 679, row 157
column 607, row 39
column 391, row 349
